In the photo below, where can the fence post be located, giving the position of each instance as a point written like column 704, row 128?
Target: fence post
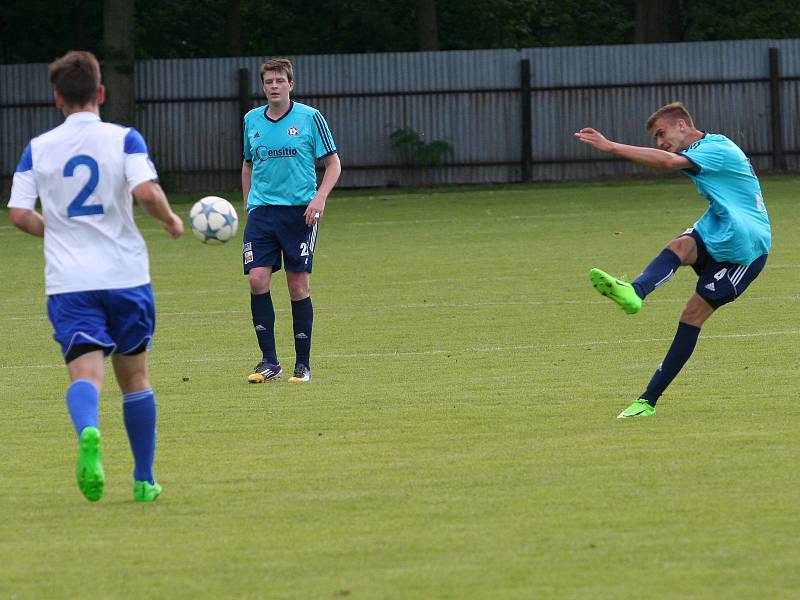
column 244, row 98
column 526, row 128
column 778, row 160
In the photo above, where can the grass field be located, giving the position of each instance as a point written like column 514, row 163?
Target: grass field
column 459, row 438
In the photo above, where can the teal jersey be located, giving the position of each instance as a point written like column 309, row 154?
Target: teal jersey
column 283, row 153
column 735, row 228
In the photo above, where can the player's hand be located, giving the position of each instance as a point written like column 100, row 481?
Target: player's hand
column 314, row 211
column 174, row 227
column 595, row 139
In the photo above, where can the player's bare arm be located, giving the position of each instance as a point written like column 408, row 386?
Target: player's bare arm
column 247, row 174
column 315, row 209
column 28, row 221
column 154, row 201
column 650, row 157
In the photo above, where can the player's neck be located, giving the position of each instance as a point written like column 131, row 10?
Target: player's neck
column 71, row 110
column 692, row 137
column 277, row 110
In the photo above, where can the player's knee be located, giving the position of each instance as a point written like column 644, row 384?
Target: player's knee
column 259, row 281
column 298, row 291
column 683, row 247
column 696, row 312
column 134, row 382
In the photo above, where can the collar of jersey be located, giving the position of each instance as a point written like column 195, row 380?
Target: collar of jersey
column 81, row 116
column 286, row 114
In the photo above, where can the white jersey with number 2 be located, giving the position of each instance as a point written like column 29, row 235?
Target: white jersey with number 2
column 83, row 172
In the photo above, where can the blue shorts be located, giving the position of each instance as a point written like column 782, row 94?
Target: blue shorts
column 116, row 321
column 273, row 232
column 721, row 282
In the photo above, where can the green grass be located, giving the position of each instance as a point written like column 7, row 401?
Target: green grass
column 459, row 439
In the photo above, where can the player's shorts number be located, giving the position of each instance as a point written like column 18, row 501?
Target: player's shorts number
column 76, row 207
column 303, row 249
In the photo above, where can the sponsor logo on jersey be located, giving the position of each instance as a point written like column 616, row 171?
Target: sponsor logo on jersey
column 292, row 131
column 264, row 153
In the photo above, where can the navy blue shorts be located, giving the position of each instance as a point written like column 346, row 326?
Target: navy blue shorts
column 115, row 321
column 721, row 282
column 274, row 232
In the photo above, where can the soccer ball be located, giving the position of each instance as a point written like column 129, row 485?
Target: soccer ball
column 213, row 220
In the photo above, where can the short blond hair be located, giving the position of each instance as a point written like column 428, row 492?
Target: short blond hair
column 672, row 111
column 281, row 65
column 76, row 77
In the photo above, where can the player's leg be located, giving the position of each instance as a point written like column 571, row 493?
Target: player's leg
column 679, row 252
column 694, row 314
column 298, row 241
column 260, row 257
column 80, row 328
column 132, row 325
column 718, row 284
column 302, row 323
column 629, row 296
column 86, row 371
column 140, row 417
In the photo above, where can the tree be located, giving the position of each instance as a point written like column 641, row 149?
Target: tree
column 427, row 29
column 659, row 21
column 118, row 64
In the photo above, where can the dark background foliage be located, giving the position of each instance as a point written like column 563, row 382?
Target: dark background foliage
column 39, row 30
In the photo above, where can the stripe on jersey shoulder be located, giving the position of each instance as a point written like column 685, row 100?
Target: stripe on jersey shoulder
column 324, row 134
column 26, row 160
column 134, row 142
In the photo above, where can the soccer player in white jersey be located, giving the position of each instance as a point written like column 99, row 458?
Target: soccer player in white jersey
column 97, row 280
column 282, row 142
column 727, row 247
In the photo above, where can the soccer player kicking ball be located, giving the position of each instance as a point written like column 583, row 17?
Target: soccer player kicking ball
column 282, row 142
column 727, row 247
column 97, row 279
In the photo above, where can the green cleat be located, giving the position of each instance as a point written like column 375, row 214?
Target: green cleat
column 640, row 408
column 618, row 290
column 89, row 472
column 144, row 491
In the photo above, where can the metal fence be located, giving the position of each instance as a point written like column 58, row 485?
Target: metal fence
column 508, row 115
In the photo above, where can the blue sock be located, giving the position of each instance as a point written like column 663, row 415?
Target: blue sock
column 679, row 352
column 139, row 412
column 82, row 401
column 657, row 272
column 264, row 324
column 302, row 320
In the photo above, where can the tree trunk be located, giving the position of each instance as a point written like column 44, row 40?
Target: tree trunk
column 427, row 29
column 658, row 21
column 118, row 63
column 235, row 27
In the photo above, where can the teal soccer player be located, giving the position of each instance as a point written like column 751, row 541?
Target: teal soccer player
column 727, row 247
column 282, row 142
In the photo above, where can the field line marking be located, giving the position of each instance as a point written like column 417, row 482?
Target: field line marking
column 468, row 350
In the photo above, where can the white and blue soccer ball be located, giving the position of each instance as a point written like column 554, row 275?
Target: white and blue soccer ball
column 213, row 220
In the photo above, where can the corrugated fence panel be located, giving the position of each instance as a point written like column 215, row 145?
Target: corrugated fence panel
column 189, row 110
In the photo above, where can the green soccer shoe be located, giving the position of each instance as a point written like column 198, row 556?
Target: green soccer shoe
column 640, row 408
column 89, row 472
column 618, row 290
column 144, row 491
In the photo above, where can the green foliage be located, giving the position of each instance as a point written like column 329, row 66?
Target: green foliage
column 459, row 438
column 39, row 30
column 410, row 148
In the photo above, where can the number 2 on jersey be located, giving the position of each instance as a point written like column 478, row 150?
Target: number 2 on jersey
column 76, row 207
